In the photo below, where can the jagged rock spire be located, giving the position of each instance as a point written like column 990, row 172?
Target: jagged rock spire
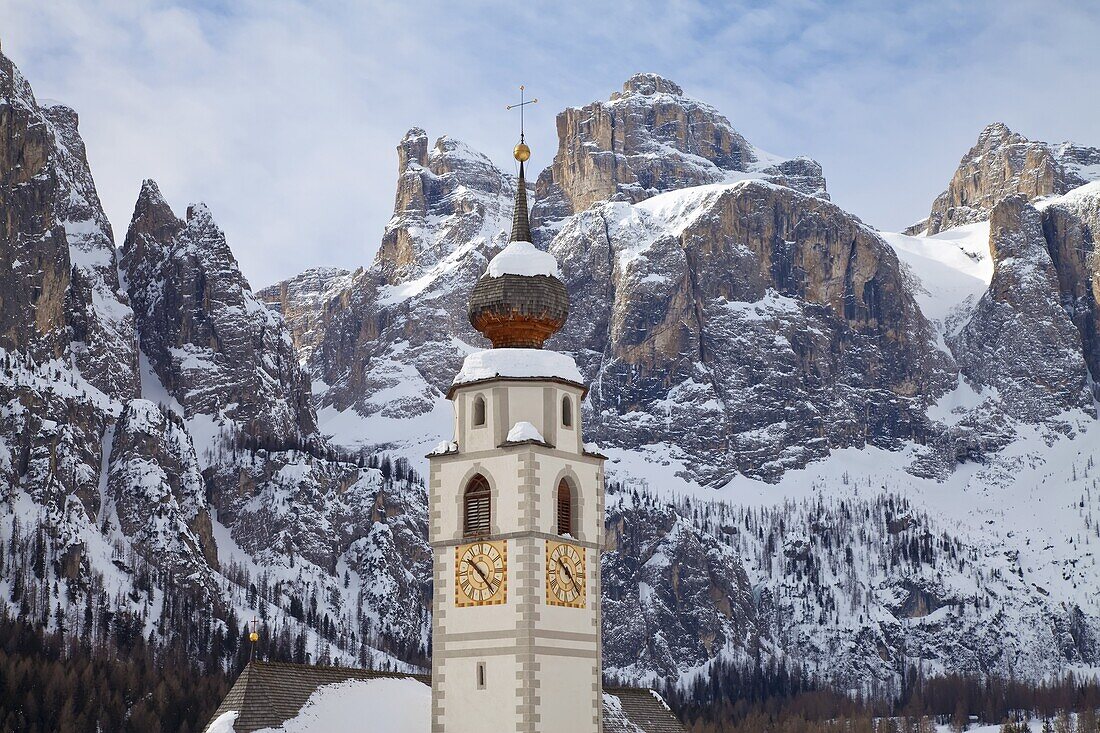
column 521, row 224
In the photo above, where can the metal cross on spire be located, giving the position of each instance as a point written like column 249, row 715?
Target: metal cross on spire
column 521, row 105
column 254, row 636
column 521, row 226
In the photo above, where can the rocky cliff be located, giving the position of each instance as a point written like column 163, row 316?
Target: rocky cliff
column 307, row 303
column 216, row 349
column 752, row 326
column 1071, row 227
column 649, row 138
column 1002, row 163
column 60, row 283
column 391, row 344
column 1020, row 339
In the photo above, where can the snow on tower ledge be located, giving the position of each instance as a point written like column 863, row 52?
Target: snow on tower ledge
column 523, row 258
column 517, row 364
column 522, row 431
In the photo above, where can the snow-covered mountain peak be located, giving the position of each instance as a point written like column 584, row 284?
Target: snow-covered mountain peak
column 645, row 140
column 1002, row 163
column 648, row 83
column 446, row 199
column 215, row 347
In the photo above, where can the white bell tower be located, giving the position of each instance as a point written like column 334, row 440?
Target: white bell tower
column 516, row 517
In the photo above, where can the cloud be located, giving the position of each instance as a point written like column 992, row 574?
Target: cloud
column 283, row 115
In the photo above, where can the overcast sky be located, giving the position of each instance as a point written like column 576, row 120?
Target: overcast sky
column 283, row 115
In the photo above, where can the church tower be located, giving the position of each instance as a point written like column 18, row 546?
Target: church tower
column 516, row 516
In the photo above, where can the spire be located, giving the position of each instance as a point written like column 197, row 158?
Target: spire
column 521, row 224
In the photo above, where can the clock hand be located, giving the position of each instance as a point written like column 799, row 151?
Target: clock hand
column 568, row 575
column 479, row 571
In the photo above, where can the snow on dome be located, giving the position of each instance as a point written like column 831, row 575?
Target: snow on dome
column 517, row 363
column 523, row 258
column 524, row 431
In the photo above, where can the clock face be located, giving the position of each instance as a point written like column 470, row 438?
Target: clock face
column 481, row 573
column 565, row 574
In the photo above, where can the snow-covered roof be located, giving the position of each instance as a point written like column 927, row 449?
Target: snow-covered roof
column 272, row 697
column 518, row 364
column 523, row 258
column 277, row 697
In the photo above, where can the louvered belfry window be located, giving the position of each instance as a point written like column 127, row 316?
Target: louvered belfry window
column 477, row 507
column 565, row 508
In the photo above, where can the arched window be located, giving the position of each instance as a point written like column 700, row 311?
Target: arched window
column 567, row 411
column 565, row 508
column 479, row 411
column 476, row 507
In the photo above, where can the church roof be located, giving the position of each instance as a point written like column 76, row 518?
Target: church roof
column 272, row 697
column 634, row 710
column 268, row 694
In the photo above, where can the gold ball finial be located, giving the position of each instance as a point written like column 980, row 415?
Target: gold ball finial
column 253, row 637
column 522, row 153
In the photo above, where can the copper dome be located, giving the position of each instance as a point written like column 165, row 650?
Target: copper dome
column 519, row 302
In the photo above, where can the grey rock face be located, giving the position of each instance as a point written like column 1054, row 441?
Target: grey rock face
column 60, row 286
column 753, row 327
column 1080, row 163
column 647, row 139
column 215, row 346
column 1019, row 339
column 392, row 344
column 53, row 431
column 156, row 492
column 1071, row 228
column 451, row 184
column 101, row 321
column 307, row 303
column 36, row 267
column 1003, row 163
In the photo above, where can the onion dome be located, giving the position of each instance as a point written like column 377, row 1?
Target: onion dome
column 520, row 301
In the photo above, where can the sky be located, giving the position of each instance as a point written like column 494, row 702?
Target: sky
column 283, row 115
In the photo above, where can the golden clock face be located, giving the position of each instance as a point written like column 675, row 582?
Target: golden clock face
column 481, row 573
column 565, row 574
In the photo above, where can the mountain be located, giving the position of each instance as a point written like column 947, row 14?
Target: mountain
column 860, row 453
column 160, row 467
column 746, row 327
column 867, row 404
column 650, row 138
column 210, row 343
column 1002, row 163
